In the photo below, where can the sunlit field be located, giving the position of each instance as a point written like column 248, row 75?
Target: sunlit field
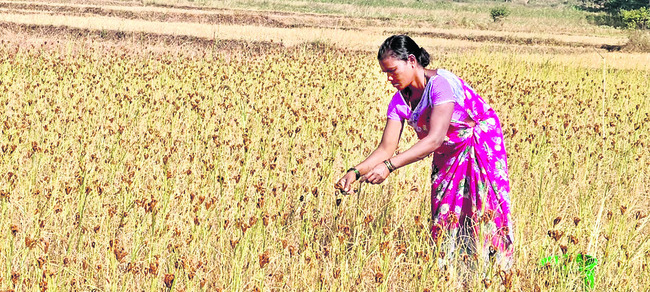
column 197, row 169
column 166, row 145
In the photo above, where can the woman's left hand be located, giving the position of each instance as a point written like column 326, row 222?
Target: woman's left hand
column 377, row 175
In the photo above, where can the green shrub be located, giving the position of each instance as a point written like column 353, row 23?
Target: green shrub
column 636, row 19
column 499, row 13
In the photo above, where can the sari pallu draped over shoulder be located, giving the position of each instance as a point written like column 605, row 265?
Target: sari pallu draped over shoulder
column 470, row 189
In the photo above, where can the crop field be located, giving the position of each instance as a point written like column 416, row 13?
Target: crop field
column 176, row 158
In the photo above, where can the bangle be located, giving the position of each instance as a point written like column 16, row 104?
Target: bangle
column 389, row 165
column 355, row 172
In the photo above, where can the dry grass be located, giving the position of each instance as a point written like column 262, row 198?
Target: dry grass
column 639, row 41
column 366, row 39
column 575, row 40
column 138, row 167
column 534, row 18
column 293, row 28
column 454, row 19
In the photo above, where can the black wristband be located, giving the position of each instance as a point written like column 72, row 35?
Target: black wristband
column 356, row 172
column 389, row 165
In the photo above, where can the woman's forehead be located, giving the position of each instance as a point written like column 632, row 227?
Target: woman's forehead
column 390, row 61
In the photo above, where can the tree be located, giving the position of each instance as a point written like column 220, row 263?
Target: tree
column 614, row 6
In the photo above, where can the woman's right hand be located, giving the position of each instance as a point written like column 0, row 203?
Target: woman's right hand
column 346, row 181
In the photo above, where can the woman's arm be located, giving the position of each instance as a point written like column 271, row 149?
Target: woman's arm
column 385, row 150
column 438, row 126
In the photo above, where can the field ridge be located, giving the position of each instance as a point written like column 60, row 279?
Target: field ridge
column 283, row 23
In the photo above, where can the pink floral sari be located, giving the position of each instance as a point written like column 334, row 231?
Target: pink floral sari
column 470, row 188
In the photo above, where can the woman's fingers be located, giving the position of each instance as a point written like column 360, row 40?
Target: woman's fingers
column 351, row 177
column 377, row 180
column 344, row 184
column 372, row 177
column 368, row 177
column 375, row 176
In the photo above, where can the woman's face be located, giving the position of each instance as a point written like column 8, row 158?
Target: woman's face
column 399, row 72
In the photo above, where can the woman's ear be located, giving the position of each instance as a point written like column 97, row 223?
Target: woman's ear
column 412, row 60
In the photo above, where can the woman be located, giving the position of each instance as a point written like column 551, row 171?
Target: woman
column 469, row 178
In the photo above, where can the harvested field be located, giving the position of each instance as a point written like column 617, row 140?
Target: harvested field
column 58, row 13
column 195, row 148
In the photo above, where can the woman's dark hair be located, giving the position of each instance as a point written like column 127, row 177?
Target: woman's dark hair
column 400, row 47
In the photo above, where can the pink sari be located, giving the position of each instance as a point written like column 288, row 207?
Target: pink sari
column 470, row 202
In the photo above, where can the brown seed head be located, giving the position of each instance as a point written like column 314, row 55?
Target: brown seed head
column 488, row 216
column 506, row 279
column 346, row 230
column 638, row 215
column 169, row 280
column 576, row 220
column 265, row 220
column 383, row 247
column 368, row 219
column 153, row 268
column 264, row 259
column 41, row 261
column 379, row 277
column 30, row 243
column 15, row 276
column 487, row 283
column 555, row 234
column 4, row 195
column 452, row 219
column 400, row 248
column 557, row 220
